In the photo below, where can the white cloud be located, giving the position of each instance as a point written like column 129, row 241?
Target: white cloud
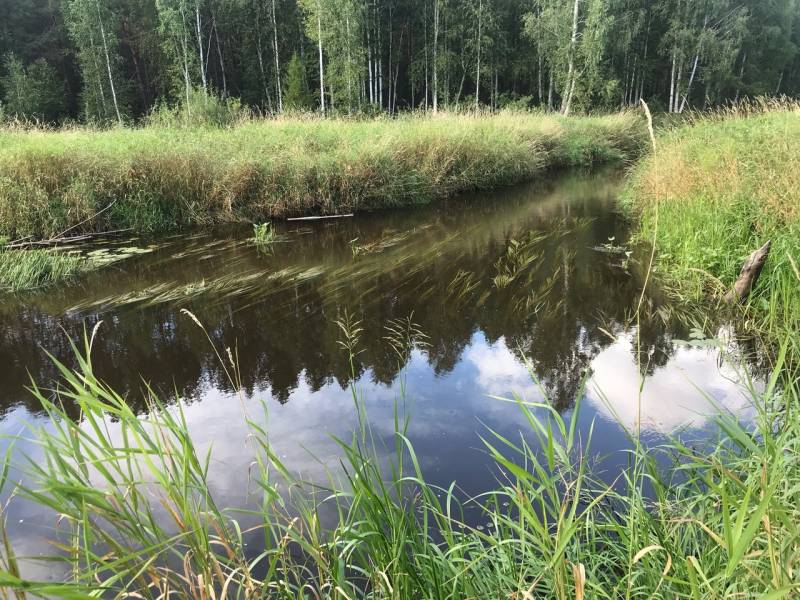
column 685, row 393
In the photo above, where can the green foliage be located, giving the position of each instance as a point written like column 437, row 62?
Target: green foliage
column 263, row 234
column 92, row 26
column 382, row 56
column 141, row 517
column 198, row 109
column 31, row 93
column 297, row 95
column 715, row 191
column 27, row 269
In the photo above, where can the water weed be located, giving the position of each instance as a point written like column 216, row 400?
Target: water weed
column 263, row 234
column 27, row 269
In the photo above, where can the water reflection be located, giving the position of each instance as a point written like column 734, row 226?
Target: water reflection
column 518, row 292
column 521, row 266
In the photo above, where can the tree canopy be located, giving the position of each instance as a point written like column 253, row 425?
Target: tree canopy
column 115, row 60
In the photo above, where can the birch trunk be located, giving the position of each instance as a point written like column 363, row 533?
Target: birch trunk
column 478, row 69
column 199, row 33
column 108, row 66
column 689, row 85
column 694, row 66
column 278, row 89
column 672, row 79
column 369, row 61
column 569, row 88
column 221, row 61
column 539, row 76
column 349, row 69
column 321, row 67
column 425, row 32
column 741, row 77
column 435, row 66
column 261, row 69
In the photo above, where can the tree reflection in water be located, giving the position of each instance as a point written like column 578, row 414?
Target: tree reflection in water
column 521, row 266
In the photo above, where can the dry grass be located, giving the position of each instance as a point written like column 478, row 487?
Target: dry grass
column 159, row 178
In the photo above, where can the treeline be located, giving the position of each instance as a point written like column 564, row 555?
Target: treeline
column 120, row 60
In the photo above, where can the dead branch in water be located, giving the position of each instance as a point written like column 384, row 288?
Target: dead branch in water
column 61, row 241
column 748, row 275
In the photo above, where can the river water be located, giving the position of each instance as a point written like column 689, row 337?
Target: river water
column 526, row 291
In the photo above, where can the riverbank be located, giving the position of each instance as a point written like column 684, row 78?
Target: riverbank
column 157, row 179
column 713, row 192
column 164, row 178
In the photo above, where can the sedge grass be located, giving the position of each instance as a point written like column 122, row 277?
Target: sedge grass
column 726, row 527
column 158, row 177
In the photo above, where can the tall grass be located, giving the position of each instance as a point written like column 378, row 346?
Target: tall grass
column 718, row 189
column 162, row 177
column 143, row 521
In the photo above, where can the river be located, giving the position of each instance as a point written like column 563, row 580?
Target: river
column 528, row 291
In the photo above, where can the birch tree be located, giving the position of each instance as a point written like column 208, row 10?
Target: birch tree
column 92, row 27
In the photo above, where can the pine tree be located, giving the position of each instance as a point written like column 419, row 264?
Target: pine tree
column 297, row 95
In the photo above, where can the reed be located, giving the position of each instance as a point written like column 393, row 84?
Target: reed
column 721, row 523
column 34, row 268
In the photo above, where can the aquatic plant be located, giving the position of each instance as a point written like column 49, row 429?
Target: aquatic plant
column 32, row 268
column 263, row 234
column 142, row 518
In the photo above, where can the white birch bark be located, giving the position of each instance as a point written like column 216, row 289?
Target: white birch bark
column 672, row 80
column 108, row 65
column 569, row 88
column 278, row 89
column 321, row 66
column 435, row 66
column 478, row 68
column 199, row 34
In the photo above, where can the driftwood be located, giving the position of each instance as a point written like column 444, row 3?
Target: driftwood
column 317, row 218
column 27, row 242
column 748, row 275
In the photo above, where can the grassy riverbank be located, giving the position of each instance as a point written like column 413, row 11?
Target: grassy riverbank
column 162, row 178
column 142, row 518
column 714, row 191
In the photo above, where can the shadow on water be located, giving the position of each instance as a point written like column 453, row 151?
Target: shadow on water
column 535, row 279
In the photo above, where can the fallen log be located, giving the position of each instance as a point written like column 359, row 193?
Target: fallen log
column 748, row 275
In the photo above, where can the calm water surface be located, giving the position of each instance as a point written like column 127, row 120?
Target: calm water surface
column 516, row 292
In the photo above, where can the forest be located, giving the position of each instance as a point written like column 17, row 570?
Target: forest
column 106, row 61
